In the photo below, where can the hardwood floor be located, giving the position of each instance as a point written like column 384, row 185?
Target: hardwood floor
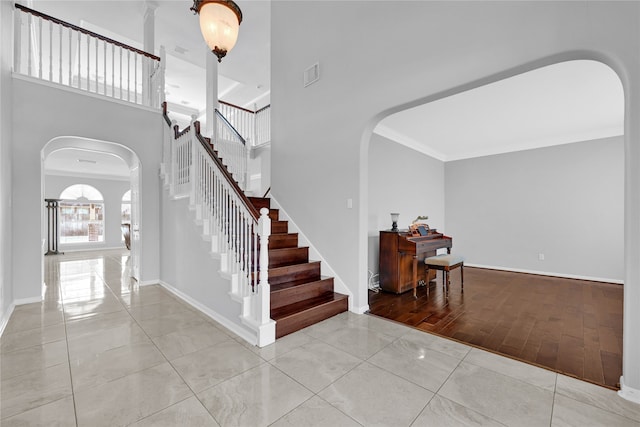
column 569, row 326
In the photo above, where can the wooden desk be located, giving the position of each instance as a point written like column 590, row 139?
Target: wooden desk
column 399, row 256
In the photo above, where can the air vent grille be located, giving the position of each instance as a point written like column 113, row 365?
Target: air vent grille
column 312, row 74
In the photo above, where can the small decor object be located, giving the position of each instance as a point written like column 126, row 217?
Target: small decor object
column 394, row 221
column 419, row 228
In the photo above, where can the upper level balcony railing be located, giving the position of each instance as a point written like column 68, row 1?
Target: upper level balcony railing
column 253, row 126
column 59, row 52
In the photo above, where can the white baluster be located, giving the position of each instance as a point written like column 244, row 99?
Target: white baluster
column 104, row 68
column 60, row 54
column 135, row 76
column 29, row 23
column 88, row 63
column 128, row 73
column 39, row 47
column 50, row 51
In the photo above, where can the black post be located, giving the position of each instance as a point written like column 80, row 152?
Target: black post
column 52, row 225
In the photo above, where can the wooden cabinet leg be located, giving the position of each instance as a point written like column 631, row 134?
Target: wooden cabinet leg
column 415, row 276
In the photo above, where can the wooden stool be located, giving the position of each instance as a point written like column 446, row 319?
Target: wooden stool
column 445, row 263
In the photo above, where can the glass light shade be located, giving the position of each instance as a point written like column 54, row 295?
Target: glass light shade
column 219, row 25
column 394, row 221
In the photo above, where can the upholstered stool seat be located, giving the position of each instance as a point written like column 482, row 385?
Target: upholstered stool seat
column 445, row 263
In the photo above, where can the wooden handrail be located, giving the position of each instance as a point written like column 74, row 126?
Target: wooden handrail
column 245, row 201
column 263, row 108
column 235, row 106
column 230, row 126
column 85, row 31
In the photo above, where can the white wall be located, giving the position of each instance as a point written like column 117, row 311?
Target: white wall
column 188, row 268
column 41, row 113
column 6, row 290
column 404, row 181
column 112, row 191
column 383, row 57
column 566, row 202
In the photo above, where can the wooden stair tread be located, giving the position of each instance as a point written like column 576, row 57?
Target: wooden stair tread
column 302, row 306
column 286, row 285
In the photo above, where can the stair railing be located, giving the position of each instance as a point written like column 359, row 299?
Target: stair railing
column 254, row 126
column 50, row 49
column 233, row 149
column 191, row 168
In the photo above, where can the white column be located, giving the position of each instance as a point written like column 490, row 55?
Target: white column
column 630, row 380
column 212, row 92
column 148, row 45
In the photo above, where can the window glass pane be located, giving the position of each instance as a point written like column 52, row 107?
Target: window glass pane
column 81, row 191
column 81, row 219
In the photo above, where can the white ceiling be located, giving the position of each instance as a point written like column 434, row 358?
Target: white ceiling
column 559, row 104
column 568, row 102
column 83, row 163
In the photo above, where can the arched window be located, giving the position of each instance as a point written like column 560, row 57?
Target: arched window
column 81, row 215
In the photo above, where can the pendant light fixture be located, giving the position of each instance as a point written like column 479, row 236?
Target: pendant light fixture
column 219, row 22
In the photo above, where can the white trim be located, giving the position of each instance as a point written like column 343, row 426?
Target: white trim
column 57, row 172
column 628, row 393
column 545, row 273
column 5, row 318
column 93, row 248
column 326, row 269
column 236, row 329
column 23, row 301
column 149, row 282
column 360, row 310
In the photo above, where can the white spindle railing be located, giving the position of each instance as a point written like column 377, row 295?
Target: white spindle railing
column 59, row 52
column 233, row 149
column 262, row 130
column 228, row 220
column 254, row 127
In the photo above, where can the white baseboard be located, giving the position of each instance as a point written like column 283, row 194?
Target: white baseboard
column 544, row 273
column 628, row 393
column 236, row 329
column 149, row 282
column 360, row 310
column 5, row 318
column 23, row 301
column 92, row 249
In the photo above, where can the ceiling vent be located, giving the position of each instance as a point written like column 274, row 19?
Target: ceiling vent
column 312, row 74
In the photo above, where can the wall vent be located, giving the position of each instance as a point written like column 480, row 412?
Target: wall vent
column 312, row 74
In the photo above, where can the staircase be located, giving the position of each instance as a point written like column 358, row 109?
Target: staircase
column 300, row 296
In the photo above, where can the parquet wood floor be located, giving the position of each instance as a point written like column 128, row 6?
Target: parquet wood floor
column 566, row 325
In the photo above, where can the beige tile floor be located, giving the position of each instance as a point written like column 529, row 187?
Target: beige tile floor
column 101, row 351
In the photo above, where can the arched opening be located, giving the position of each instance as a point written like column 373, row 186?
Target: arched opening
column 91, row 177
column 533, row 202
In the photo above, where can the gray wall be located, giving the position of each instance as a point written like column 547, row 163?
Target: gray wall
column 112, row 191
column 320, row 133
column 6, row 291
column 404, row 181
column 187, row 266
column 58, row 112
column 566, row 202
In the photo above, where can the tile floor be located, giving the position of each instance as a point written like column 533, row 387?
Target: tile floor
column 101, row 351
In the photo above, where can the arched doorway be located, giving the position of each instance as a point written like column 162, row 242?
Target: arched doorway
column 380, row 214
column 105, row 162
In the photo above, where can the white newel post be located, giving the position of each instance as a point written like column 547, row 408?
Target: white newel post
column 267, row 327
column 193, row 140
